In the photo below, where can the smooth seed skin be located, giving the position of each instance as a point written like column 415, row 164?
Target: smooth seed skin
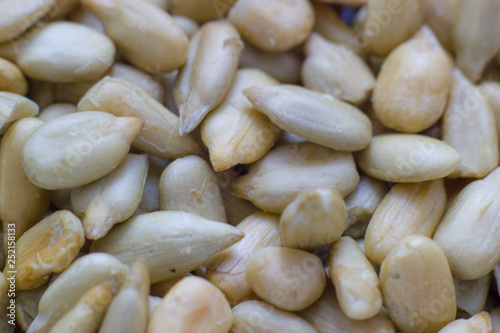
column 259, row 23
column 413, row 85
column 189, row 185
column 187, row 25
column 491, row 92
column 64, row 52
column 56, row 110
column 78, row 148
column 356, row 283
column 415, row 276
column 144, row 34
column 226, row 270
column 206, row 78
column 201, row 11
column 440, row 16
column 315, row 218
column 14, row 106
column 276, row 180
column 480, row 323
column 469, row 233
column 48, row 247
column 472, row 294
column 406, row 210
column 261, row 317
column 336, row 70
column 11, row 78
column 289, row 279
column 192, row 305
column 319, row 118
column 469, row 127
column 408, row 158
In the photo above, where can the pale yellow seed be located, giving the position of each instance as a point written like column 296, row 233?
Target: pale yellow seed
column 14, row 107
column 56, row 110
column 480, row 323
column 11, row 78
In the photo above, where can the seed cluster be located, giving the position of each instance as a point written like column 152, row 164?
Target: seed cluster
column 250, row 166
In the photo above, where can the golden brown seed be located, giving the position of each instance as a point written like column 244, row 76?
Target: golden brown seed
column 159, row 135
column 189, row 185
column 84, row 274
column 65, row 52
column 276, row 180
column 74, row 150
column 315, row 218
column 475, row 36
column 202, row 10
column 22, row 204
column 14, row 107
column 129, row 310
column 287, row 278
column 258, row 22
column 48, row 247
column 472, row 294
column 87, row 314
column 205, row 80
column 417, row 286
column 388, row 23
column 319, row 118
column 145, row 35
column 480, row 323
column 11, row 78
column 408, row 158
column 468, row 233
column 226, row 270
column 326, row 316
column 362, row 203
column 56, row 110
column 334, row 69
column 111, row 199
column 248, row 134
column 413, row 85
column 171, row 243
column 408, row 209
column 261, row 317
column 356, row 283
column 469, row 127
column 283, row 66
column 192, row 305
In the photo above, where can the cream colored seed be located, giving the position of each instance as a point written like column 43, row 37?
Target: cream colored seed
column 27, row 305
column 315, row 218
column 187, row 25
column 205, row 80
column 362, row 203
column 64, row 293
column 441, row 16
column 417, row 286
column 408, row 158
column 78, row 148
column 84, row 16
column 469, row 233
column 226, row 270
column 326, row 316
column 261, row 317
column 49, row 246
column 159, row 134
column 248, row 134
column 276, row 180
column 356, row 283
column 56, row 110
column 283, row 66
column 192, row 305
column 65, row 52
column 189, row 185
column 171, row 243
column 21, row 203
column 289, row 279
column 256, row 21
column 469, row 127
column 14, row 107
column 408, row 209
column 150, row 201
column 201, row 10
column 11, row 78
column 87, row 314
column 316, row 117
column 129, row 310
column 480, row 323
column 491, row 92
column 145, row 34
column 334, row 69
column 472, row 294
column 111, row 199
column 413, row 84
